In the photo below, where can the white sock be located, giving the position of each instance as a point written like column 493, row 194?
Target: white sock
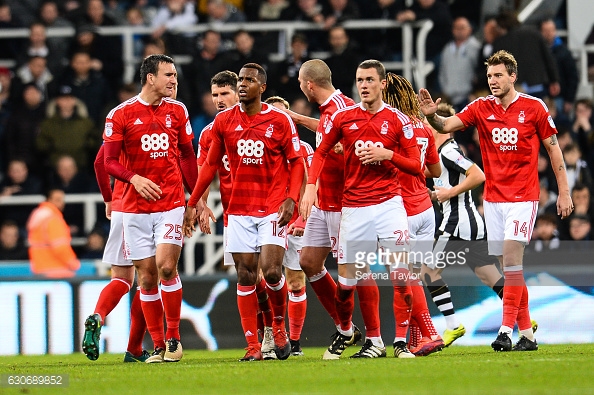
column 451, row 321
column 348, row 333
column 506, row 329
column 377, row 341
column 528, row 334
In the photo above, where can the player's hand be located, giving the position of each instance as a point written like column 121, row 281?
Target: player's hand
column 108, row 210
column 307, row 201
column 295, row 230
column 426, row 103
column 285, row 212
column 338, row 148
column 442, row 194
column 188, row 226
column 146, row 188
column 564, row 205
column 205, row 218
column 372, row 154
column 432, row 194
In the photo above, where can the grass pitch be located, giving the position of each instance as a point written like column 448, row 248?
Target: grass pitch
column 553, row 369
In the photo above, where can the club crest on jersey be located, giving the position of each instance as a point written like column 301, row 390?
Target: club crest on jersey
column 326, row 119
column 168, row 121
column 188, row 128
column 408, row 131
column 328, row 127
column 521, row 117
column 269, row 130
column 108, row 129
column 296, row 143
column 384, row 129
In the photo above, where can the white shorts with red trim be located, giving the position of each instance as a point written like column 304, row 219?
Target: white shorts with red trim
column 509, row 221
column 247, row 234
column 116, row 252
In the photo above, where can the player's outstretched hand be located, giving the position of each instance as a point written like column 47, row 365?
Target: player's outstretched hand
column 205, row 218
column 146, row 188
column 307, row 201
column 373, row 154
column 188, row 226
column 564, row 205
column 285, row 212
column 426, row 103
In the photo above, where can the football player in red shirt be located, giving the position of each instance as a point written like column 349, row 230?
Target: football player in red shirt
column 511, row 126
column 400, row 94
column 373, row 135
column 262, row 144
column 148, row 146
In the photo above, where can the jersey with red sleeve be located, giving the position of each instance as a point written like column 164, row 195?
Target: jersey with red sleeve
column 331, row 181
column 150, row 137
column 258, row 148
column 104, row 183
column 414, row 187
column 510, row 140
column 225, row 182
column 307, row 152
column 370, row 184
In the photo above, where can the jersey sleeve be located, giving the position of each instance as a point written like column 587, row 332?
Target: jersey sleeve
column 431, row 156
column 292, row 147
column 455, row 161
column 186, row 134
column 203, row 145
column 545, row 126
column 114, row 126
column 468, row 114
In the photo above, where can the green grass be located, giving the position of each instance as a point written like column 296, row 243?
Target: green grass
column 554, row 369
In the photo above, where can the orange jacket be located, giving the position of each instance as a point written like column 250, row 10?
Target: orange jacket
column 50, row 252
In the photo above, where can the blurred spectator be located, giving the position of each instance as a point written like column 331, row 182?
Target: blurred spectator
column 339, row 11
column 88, row 85
column 343, row 61
column 566, row 67
column 308, row 11
column 239, row 4
column 577, row 169
column 50, row 17
column 270, row 41
column 95, row 245
column 439, row 13
column 9, row 47
column 546, row 175
column 538, row 76
column 136, row 18
column 590, row 40
column 580, row 228
column 244, row 52
column 68, row 178
column 34, row 71
column 18, row 182
column 287, row 71
column 106, row 54
column 381, row 43
column 205, row 116
column 582, row 129
column 546, row 235
column 67, row 131
column 479, row 81
column 38, row 45
column 50, row 252
column 219, row 12
column 172, row 17
column 582, row 201
column 12, row 246
column 459, row 59
column 125, row 92
column 270, row 10
column 5, row 112
column 25, row 10
column 22, row 128
column 208, row 61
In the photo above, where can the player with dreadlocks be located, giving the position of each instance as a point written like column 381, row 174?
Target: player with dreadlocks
column 399, row 93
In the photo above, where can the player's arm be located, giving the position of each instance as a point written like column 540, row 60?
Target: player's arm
column 299, row 119
column 286, row 210
column 103, row 181
column 145, row 187
column 433, row 170
column 187, row 163
column 432, row 163
column 564, row 203
column 443, row 125
column 474, row 178
column 308, row 198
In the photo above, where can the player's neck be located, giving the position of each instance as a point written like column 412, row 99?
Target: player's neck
column 252, row 107
column 324, row 96
column 373, row 107
column 509, row 97
column 151, row 98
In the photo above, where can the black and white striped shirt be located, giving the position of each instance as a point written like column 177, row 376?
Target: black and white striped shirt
column 460, row 217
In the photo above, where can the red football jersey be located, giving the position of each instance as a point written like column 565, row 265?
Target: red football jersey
column 258, row 148
column 370, row 184
column 150, row 137
column 510, row 140
column 414, row 188
column 225, row 182
column 118, row 192
column 331, row 180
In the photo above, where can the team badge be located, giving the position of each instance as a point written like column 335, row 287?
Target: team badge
column 108, row 129
column 296, row 143
column 328, row 127
column 384, row 129
column 269, row 130
column 168, row 121
column 188, row 128
column 521, row 117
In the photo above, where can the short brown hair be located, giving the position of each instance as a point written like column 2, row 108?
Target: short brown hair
column 505, row 58
column 277, row 99
column 374, row 64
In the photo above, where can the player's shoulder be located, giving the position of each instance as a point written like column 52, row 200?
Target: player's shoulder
column 402, row 117
column 346, row 111
column 275, row 112
column 336, row 101
column 176, row 104
column 307, row 147
column 532, row 101
column 120, row 108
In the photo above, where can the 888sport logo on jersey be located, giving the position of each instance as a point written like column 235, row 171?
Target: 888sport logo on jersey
column 251, row 151
column 156, row 144
column 507, row 138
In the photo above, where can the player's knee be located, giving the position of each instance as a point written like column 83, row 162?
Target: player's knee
column 246, row 276
column 310, row 266
column 147, row 280
column 273, row 276
column 295, row 284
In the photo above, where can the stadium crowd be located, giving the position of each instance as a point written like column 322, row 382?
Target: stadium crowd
column 54, row 101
